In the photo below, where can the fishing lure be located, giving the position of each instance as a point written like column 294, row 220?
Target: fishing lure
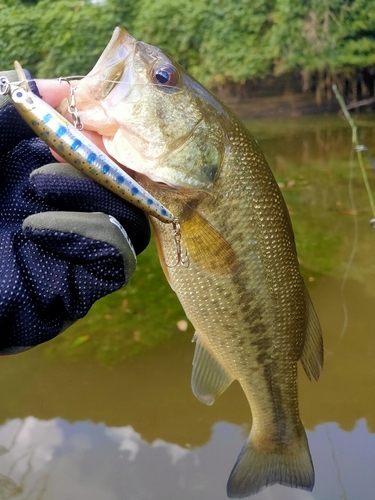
column 77, row 150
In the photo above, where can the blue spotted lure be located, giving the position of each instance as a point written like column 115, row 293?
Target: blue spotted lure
column 76, row 149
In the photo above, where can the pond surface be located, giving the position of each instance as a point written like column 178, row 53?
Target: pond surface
column 105, row 411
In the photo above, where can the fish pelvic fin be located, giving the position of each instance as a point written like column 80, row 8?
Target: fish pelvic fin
column 258, row 467
column 209, row 379
column 312, row 352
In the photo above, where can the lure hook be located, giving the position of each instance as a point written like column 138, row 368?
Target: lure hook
column 72, row 105
column 181, row 260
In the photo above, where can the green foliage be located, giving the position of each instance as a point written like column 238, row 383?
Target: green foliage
column 357, row 36
column 57, row 38
column 218, row 41
column 324, row 35
column 177, row 27
column 76, row 36
column 236, row 44
column 19, row 35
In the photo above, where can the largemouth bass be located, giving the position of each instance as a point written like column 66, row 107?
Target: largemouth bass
column 240, row 283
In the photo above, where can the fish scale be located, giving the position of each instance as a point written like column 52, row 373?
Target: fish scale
column 241, row 286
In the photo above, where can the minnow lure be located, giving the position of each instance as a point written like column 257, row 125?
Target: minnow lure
column 77, row 150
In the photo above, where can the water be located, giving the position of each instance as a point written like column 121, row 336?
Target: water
column 105, row 411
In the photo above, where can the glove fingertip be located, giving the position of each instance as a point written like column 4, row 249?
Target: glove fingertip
column 61, row 169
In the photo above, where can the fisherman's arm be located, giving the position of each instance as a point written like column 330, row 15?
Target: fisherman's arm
column 65, row 240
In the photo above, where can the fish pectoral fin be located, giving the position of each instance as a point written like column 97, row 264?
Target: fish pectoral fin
column 205, row 245
column 312, row 352
column 209, row 379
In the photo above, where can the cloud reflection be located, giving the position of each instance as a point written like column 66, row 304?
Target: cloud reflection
column 127, row 439
column 55, row 459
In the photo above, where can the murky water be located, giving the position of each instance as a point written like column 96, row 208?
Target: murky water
column 105, row 412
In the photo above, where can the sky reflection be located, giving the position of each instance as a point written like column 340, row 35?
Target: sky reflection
column 55, row 459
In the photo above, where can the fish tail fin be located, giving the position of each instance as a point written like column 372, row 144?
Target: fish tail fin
column 259, row 466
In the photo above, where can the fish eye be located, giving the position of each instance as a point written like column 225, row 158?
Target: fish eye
column 164, row 75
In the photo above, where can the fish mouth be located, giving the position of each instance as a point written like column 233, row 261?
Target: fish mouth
column 112, row 63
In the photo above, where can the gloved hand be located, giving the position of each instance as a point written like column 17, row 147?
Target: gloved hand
column 60, row 252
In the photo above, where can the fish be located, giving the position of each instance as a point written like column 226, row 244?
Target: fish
column 76, row 148
column 237, row 275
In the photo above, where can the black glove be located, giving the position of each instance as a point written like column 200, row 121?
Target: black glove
column 60, row 252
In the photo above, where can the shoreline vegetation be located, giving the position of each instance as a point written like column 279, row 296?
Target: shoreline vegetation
column 283, row 96
column 271, row 57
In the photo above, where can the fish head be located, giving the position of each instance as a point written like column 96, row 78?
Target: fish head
column 155, row 119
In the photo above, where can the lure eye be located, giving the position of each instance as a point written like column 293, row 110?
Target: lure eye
column 165, row 75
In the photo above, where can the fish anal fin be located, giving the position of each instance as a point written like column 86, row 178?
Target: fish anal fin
column 312, row 352
column 258, row 467
column 209, row 379
column 206, row 246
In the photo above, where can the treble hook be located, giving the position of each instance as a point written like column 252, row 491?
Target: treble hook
column 72, row 105
column 181, row 260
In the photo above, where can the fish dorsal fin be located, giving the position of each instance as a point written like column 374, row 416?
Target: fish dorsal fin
column 209, row 379
column 312, row 352
column 205, row 245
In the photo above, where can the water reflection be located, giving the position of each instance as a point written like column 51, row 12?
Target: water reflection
column 57, row 460
column 88, row 421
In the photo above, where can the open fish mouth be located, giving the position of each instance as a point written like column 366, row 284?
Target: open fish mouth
column 113, row 67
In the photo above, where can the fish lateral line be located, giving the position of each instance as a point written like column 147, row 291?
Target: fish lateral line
column 79, row 151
